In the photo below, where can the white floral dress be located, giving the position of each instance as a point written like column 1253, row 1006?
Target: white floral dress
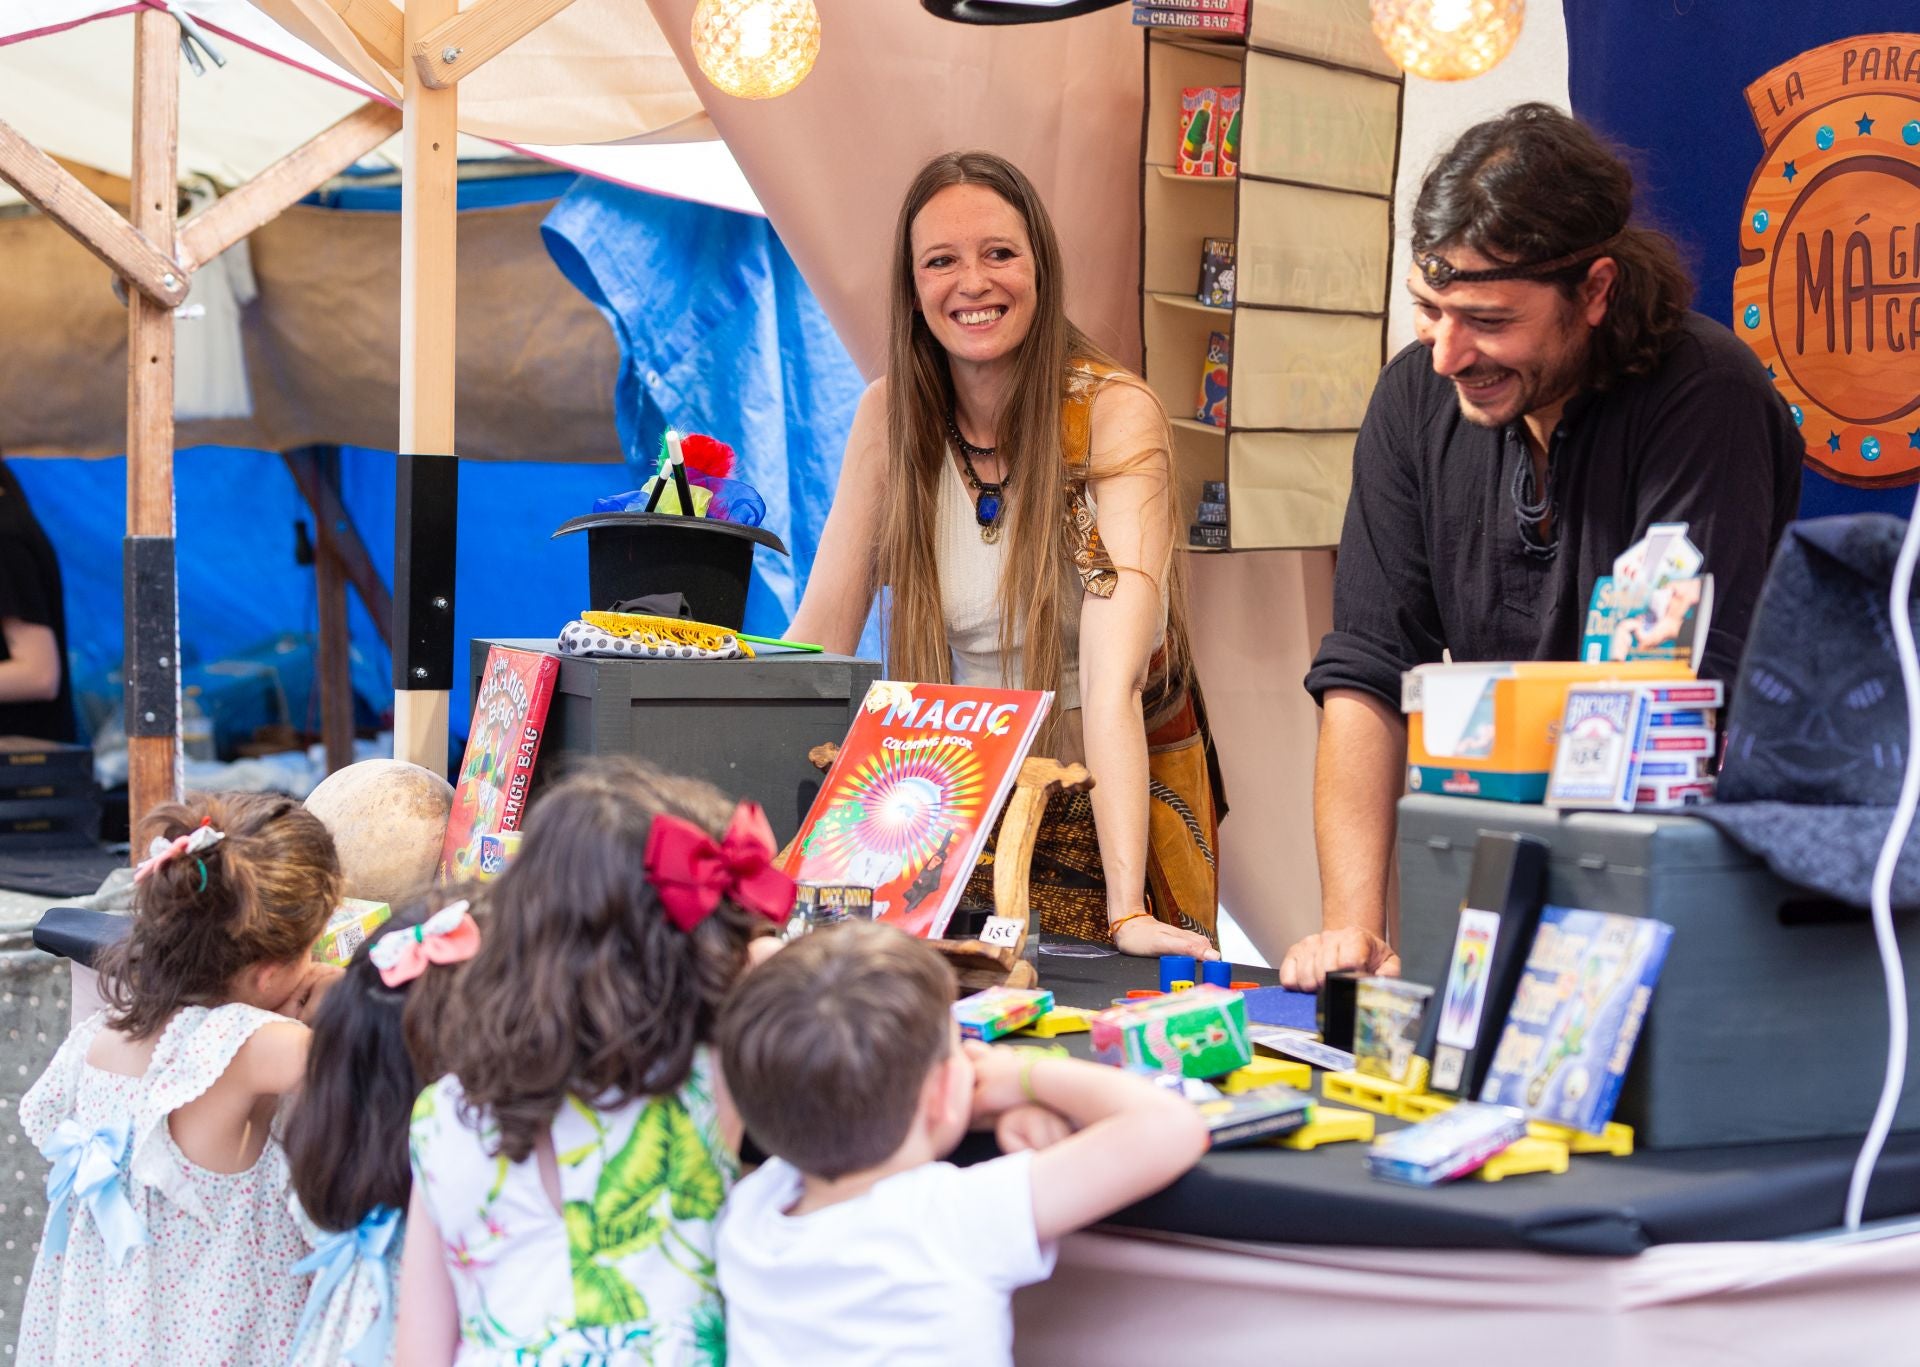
column 625, row 1275
column 212, row 1282
column 348, row 1321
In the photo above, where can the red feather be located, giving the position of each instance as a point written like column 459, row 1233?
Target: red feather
column 706, row 455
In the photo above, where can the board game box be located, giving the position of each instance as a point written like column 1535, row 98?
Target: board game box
column 1576, row 1016
column 509, row 714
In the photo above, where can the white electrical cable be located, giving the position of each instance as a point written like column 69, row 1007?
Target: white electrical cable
column 1882, row 896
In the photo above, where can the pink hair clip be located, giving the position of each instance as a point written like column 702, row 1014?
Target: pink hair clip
column 449, row 936
column 200, row 838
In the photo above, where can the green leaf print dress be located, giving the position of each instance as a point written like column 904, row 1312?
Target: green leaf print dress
column 623, row 1273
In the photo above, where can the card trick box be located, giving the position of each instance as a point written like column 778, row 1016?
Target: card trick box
column 1769, row 1021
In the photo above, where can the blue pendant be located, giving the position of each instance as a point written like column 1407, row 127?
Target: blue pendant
column 986, row 509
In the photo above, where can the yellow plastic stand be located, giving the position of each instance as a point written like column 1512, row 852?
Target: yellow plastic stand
column 1369, row 1093
column 1062, row 1020
column 1330, row 1126
column 1524, row 1156
column 1616, row 1139
column 1267, row 1072
column 1418, row 1106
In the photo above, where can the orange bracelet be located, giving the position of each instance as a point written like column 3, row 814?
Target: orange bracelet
column 1115, row 925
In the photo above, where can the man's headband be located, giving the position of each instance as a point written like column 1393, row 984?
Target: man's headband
column 1439, row 272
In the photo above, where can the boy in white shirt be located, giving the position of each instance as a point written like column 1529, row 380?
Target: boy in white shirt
column 855, row 1244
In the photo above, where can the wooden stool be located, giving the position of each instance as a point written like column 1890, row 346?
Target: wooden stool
column 978, row 964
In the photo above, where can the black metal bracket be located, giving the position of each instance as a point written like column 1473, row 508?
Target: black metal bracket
column 426, row 516
column 153, row 680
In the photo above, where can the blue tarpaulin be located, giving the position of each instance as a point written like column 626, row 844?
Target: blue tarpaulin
column 719, row 334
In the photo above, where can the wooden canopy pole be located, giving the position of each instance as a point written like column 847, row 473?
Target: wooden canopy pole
column 427, row 492
column 152, row 617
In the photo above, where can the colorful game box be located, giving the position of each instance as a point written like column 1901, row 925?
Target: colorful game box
column 348, row 928
column 1216, row 274
column 997, row 1011
column 509, row 713
column 906, row 807
column 1215, row 376
column 1451, row 1144
column 1201, row 1032
column 1199, row 130
column 1227, row 159
column 1576, row 1016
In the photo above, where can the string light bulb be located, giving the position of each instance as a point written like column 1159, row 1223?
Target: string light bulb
column 756, row 49
column 1447, row 40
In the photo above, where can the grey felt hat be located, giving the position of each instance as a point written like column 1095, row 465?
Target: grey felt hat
column 1817, row 724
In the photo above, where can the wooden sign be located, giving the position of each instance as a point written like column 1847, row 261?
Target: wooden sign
column 1828, row 287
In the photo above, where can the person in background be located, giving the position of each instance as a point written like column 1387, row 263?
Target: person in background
column 1560, row 399
column 856, row 1244
column 1012, row 489
column 168, row 1236
column 36, row 697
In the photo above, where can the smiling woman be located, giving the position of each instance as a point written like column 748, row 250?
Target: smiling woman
column 1012, row 488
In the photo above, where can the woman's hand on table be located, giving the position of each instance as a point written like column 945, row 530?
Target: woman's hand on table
column 1148, row 938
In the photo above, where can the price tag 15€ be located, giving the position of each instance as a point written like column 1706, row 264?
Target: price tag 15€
column 1002, row 931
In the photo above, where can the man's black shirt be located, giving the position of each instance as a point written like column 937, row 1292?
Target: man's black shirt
column 1431, row 556
column 30, row 591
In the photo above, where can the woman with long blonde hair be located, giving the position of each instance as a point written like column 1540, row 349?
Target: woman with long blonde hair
column 1012, row 488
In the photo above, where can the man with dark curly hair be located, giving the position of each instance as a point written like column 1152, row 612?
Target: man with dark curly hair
column 1562, row 397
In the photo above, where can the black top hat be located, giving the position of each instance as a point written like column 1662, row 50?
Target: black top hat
column 1817, row 726
column 639, row 555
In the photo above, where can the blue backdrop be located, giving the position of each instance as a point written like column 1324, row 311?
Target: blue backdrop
column 718, row 333
column 1669, row 82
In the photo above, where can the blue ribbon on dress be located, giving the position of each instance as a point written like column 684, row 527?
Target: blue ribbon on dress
column 333, row 1260
column 90, row 1166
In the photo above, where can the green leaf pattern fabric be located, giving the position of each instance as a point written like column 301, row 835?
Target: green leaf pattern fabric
column 623, row 1273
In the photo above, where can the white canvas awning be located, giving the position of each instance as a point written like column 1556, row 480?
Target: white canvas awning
column 65, row 84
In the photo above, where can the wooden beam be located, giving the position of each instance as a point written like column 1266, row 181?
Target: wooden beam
column 299, row 173
column 474, row 37
column 330, row 514
column 379, row 27
column 334, row 653
column 60, row 195
column 428, row 181
column 153, row 733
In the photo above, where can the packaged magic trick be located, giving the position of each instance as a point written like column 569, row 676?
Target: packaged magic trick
column 997, row 1011
column 1450, row 1145
column 1489, row 729
column 348, row 928
column 1201, row 1032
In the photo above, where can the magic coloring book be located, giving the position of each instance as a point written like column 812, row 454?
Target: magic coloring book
column 906, row 808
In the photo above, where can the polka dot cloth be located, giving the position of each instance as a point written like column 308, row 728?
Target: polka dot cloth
column 214, row 1282
column 33, row 1022
column 577, row 638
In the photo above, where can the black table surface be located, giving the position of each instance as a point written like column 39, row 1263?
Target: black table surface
column 1265, row 1194
column 1600, row 1206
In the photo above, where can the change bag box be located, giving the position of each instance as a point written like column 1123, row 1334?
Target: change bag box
column 1201, row 1032
column 1769, row 1020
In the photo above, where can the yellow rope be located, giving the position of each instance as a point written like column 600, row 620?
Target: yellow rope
column 665, row 631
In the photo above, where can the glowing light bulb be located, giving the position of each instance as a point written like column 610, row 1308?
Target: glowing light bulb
column 756, row 49
column 1447, row 40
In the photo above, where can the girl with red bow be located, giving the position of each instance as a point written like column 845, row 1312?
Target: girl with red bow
column 569, row 1166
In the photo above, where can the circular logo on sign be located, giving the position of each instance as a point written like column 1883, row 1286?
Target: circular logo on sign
column 1828, row 288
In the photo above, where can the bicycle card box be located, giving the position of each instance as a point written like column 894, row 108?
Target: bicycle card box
column 1770, row 1016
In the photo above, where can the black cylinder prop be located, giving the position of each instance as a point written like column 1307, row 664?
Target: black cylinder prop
column 635, row 555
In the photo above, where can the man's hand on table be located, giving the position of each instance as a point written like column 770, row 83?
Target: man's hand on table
column 1308, row 962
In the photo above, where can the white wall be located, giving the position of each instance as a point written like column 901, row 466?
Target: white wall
column 1437, row 112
